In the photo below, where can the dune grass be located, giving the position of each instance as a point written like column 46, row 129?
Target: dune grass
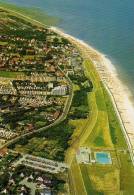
column 100, row 135
column 114, row 125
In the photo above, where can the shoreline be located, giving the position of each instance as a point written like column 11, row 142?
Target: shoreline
column 118, row 92
column 124, row 107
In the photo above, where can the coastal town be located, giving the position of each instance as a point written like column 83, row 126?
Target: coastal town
column 36, row 65
column 33, row 83
column 61, row 130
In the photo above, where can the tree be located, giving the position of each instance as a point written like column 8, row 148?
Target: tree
column 4, row 178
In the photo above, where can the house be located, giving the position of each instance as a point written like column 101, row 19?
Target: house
column 56, row 115
column 50, row 85
column 3, row 152
column 51, row 69
column 60, row 90
column 4, row 191
column 40, row 179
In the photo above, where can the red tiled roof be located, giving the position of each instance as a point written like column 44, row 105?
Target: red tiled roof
column 3, row 152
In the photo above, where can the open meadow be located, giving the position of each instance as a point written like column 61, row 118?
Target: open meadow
column 101, row 131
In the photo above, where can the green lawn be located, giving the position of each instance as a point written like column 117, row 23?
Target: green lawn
column 9, row 74
column 100, row 134
column 107, row 125
column 77, row 180
column 100, row 99
column 115, row 129
column 126, row 174
column 102, row 130
column 87, row 181
column 3, row 43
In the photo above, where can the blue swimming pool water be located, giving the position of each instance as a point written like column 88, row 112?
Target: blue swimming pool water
column 103, row 158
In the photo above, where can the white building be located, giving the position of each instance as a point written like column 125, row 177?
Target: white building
column 50, row 85
column 60, row 90
column 83, row 155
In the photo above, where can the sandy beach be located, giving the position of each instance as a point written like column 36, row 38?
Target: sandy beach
column 117, row 90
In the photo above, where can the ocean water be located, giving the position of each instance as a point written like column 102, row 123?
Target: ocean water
column 107, row 25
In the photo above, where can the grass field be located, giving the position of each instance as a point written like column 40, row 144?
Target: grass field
column 126, row 174
column 104, row 179
column 101, row 130
column 78, row 186
column 87, row 181
column 115, row 129
column 78, row 124
column 100, row 134
column 8, row 74
column 40, row 147
column 3, row 43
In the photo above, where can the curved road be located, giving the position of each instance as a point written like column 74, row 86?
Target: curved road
column 67, row 105
column 59, row 120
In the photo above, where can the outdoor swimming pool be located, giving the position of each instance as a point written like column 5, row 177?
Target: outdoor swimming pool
column 103, row 158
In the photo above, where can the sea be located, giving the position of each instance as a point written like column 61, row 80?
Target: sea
column 107, row 25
